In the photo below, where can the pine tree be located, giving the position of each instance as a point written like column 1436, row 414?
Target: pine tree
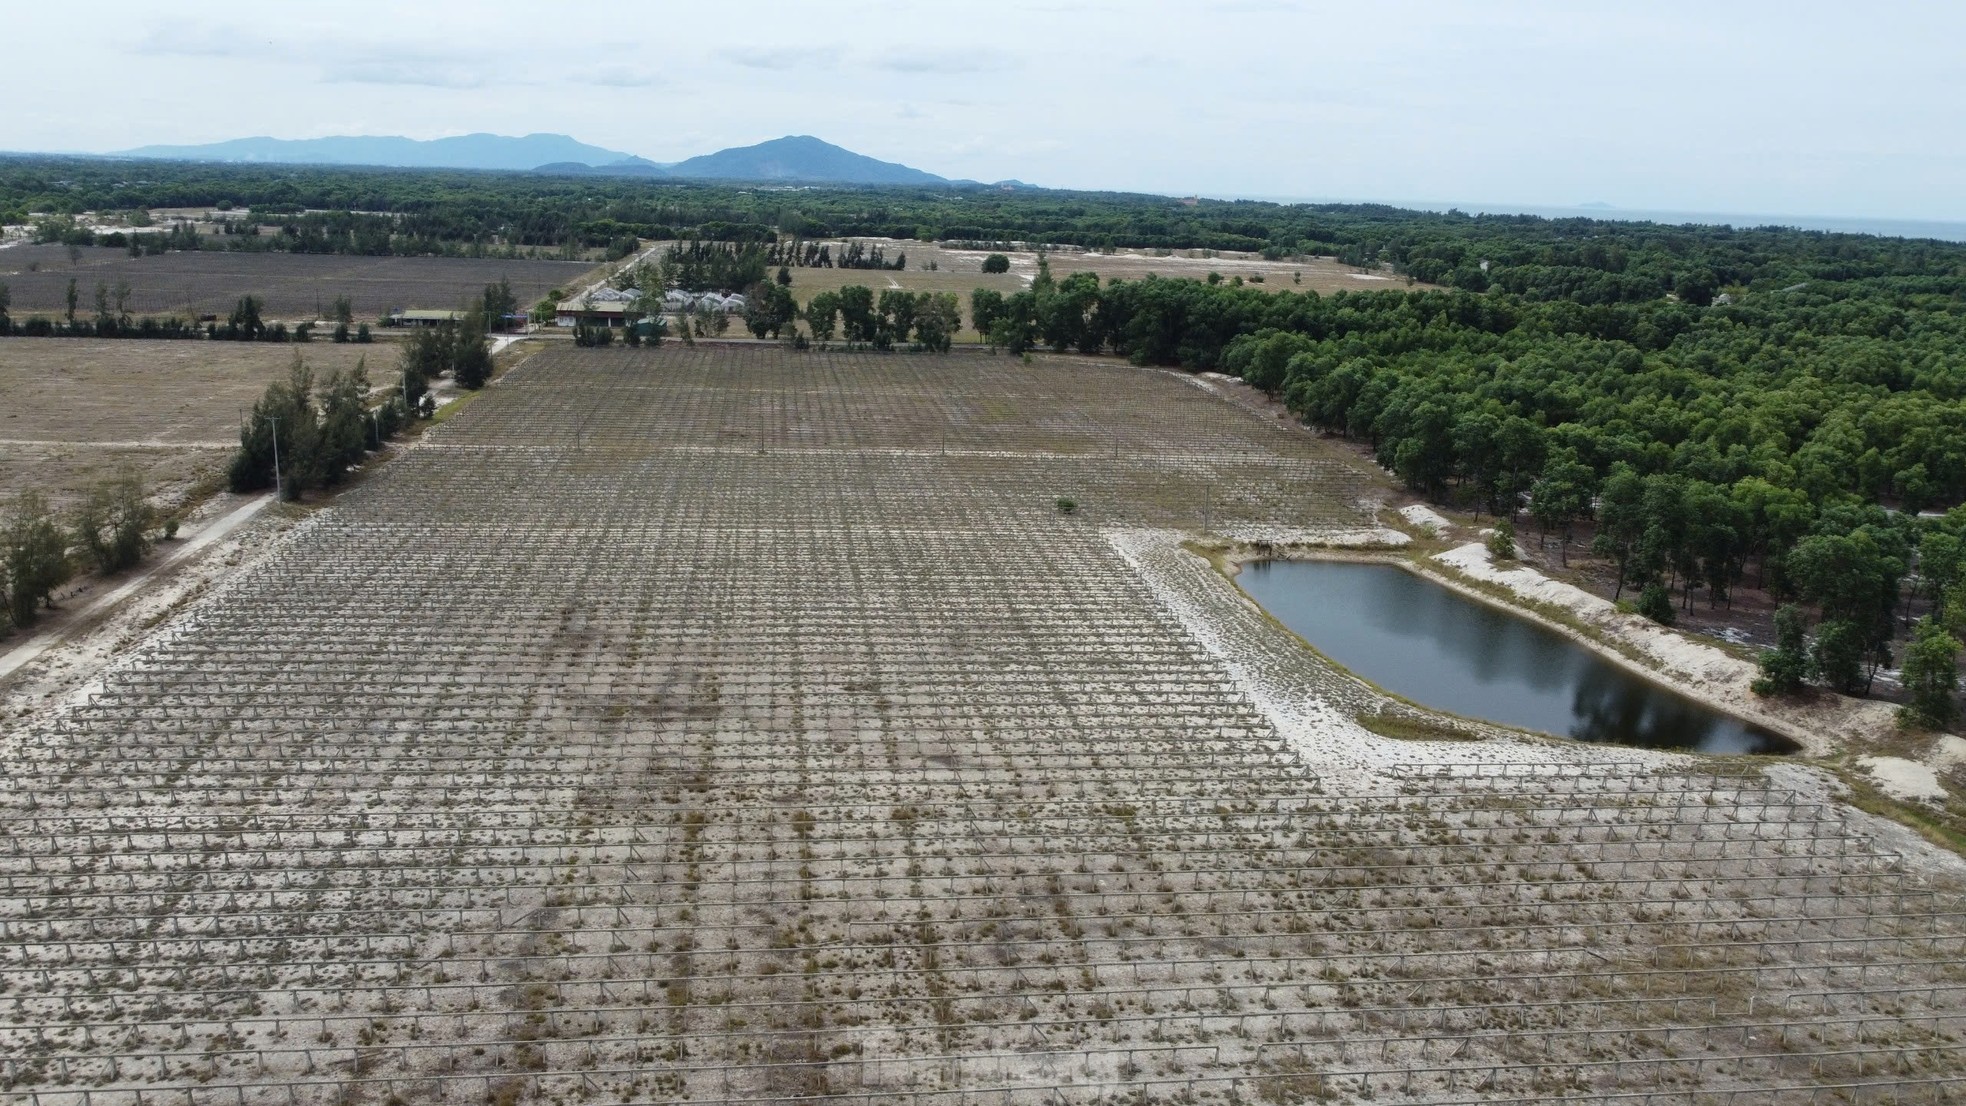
column 1784, row 667
column 1931, row 677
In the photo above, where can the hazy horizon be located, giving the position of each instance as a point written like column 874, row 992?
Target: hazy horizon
column 1817, row 109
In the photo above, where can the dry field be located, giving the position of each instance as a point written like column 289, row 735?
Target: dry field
column 960, row 271
column 742, row 726
column 292, row 286
column 74, row 412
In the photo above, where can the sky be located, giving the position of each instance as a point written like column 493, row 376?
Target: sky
column 1800, row 107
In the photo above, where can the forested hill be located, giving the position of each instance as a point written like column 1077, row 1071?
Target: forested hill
column 799, row 158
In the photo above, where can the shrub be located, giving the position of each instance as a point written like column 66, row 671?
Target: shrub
column 1655, row 603
column 1067, row 506
column 996, row 263
column 112, row 525
column 1501, row 543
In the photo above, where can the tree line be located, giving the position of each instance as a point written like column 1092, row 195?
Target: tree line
column 366, row 210
column 304, row 434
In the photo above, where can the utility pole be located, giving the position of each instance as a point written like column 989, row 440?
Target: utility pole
column 276, row 456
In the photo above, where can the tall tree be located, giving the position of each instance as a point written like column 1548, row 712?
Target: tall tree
column 858, row 322
column 33, row 558
column 1620, row 520
column 822, row 313
column 1784, row 667
column 1560, row 497
column 938, row 315
column 498, row 303
column 768, row 309
column 470, row 351
column 346, row 429
column 986, row 306
column 1854, row 578
column 280, row 443
column 245, row 322
column 1931, row 677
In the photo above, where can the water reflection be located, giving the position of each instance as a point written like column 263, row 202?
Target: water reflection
column 1414, row 637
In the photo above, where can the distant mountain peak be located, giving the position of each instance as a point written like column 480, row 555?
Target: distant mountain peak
column 795, row 158
column 468, row 151
column 799, row 157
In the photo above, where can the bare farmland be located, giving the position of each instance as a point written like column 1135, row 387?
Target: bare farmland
column 960, row 271
column 734, row 725
column 76, row 411
column 292, row 286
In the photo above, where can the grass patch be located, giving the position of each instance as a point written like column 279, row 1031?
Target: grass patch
column 1404, row 728
column 1945, row 828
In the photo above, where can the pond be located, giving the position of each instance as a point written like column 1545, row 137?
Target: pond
column 1435, row 647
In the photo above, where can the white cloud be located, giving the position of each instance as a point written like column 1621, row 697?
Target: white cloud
column 1800, row 107
column 402, row 73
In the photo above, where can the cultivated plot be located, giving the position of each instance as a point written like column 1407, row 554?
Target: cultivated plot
column 77, row 411
column 291, row 286
column 736, row 725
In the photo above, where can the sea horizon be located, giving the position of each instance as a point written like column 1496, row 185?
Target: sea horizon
column 1945, row 230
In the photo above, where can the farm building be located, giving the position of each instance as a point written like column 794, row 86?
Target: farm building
column 421, row 317
column 681, row 302
column 604, row 306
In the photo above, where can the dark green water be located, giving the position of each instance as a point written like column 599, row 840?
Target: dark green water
column 1411, row 636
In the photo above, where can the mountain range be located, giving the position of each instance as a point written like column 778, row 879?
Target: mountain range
column 794, row 158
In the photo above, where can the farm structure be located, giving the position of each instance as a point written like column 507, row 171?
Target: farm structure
column 735, row 725
column 422, row 317
column 290, row 286
column 76, row 411
column 599, row 307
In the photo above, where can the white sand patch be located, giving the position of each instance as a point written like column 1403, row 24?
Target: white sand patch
column 1419, row 514
column 1365, row 538
column 1905, row 779
column 1368, row 276
column 1951, row 752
